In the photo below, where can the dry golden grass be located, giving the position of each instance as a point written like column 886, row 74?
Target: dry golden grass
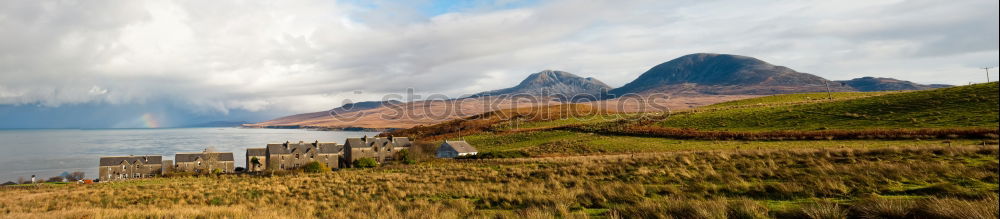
column 956, row 182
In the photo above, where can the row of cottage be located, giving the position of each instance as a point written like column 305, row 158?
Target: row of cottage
column 282, row 156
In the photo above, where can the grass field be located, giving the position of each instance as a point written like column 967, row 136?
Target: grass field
column 556, row 143
column 937, row 182
column 964, row 106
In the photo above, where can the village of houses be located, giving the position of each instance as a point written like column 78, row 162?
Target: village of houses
column 279, row 157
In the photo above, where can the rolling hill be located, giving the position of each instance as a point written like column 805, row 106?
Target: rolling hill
column 964, row 106
column 887, row 84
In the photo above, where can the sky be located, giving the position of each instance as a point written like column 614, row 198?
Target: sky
column 66, row 62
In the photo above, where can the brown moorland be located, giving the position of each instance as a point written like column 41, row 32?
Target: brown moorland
column 911, row 182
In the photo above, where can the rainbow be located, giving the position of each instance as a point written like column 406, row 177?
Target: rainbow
column 150, row 121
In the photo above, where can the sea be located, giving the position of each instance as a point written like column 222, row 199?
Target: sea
column 51, row 152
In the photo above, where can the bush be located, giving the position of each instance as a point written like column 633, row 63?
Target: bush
column 366, row 162
column 55, row 179
column 405, row 156
column 315, row 167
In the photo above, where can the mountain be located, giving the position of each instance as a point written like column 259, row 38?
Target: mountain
column 887, row 84
column 553, row 83
column 301, row 120
column 705, row 73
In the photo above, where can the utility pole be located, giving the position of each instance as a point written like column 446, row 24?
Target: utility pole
column 828, row 92
column 987, row 74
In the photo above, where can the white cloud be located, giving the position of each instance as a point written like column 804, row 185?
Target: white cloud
column 301, row 56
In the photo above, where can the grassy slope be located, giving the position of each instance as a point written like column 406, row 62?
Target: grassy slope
column 555, row 143
column 964, row 106
column 789, row 99
column 929, row 181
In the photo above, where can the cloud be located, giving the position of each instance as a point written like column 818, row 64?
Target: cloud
column 301, row 56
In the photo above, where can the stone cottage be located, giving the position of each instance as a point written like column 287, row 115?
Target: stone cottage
column 130, row 167
column 204, row 162
column 256, row 159
column 452, row 149
column 381, row 149
column 290, row 156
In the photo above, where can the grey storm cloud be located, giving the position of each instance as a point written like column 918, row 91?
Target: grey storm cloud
column 302, row 56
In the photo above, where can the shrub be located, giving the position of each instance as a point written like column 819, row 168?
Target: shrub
column 405, row 156
column 366, row 162
column 315, row 167
column 824, row 210
column 75, row 176
column 55, row 179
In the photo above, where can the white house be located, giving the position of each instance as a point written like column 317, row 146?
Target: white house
column 452, row 149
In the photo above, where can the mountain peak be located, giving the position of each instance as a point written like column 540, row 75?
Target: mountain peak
column 554, row 83
column 710, row 73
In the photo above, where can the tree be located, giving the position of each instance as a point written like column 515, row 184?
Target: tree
column 211, row 158
column 255, row 164
column 315, row 167
column 366, row 162
column 74, row 176
column 55, row 179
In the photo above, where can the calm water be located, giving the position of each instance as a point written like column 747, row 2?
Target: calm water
column 48, row 153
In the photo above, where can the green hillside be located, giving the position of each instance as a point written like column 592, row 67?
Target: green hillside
column 965, row 106
column 790, row 99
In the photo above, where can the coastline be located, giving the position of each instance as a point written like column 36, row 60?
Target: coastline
column 317, row 128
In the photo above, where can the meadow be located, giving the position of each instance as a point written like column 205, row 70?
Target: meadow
column 888, row 182
column 963, row 106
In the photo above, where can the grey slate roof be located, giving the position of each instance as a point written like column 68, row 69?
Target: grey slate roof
column 304, row 147
column 146, row 159
column 461, row 146
column 191, row 157
column 368, row 142
column 256, row 151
